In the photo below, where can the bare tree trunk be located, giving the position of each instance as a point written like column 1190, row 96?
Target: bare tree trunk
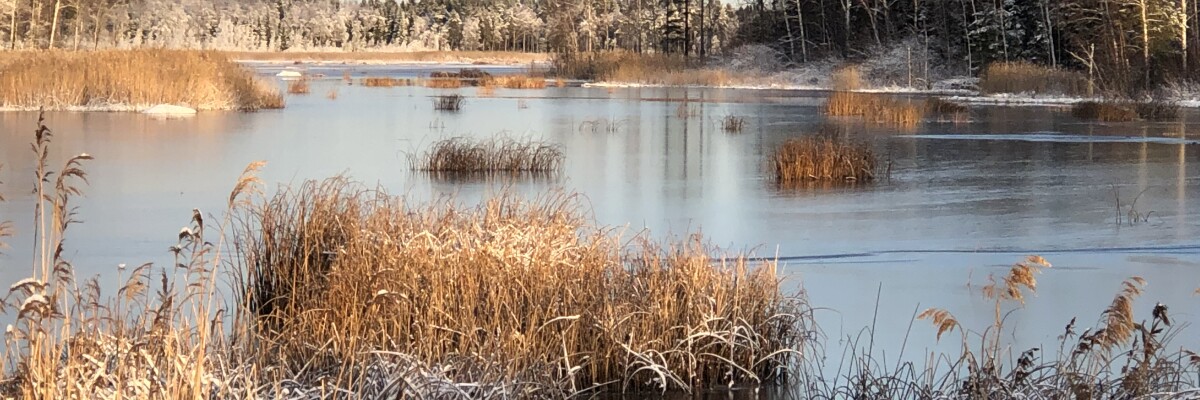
column 54, row 23
column 1145, row 41
column 12, row 27
column 1185, row 20
column 1050, row 32
column 803, row 37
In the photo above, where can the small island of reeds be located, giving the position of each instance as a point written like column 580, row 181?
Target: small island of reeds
column 130, row 80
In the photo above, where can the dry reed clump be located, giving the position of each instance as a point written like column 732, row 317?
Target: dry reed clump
column 823, row 158
column 522, row 292
column 875, row 108
column 332, row 94
column 202, row 80
column 443, row 83
column 515, row 82
column 847, row 78
column 947, row 110
column 733, row 124
column 299, row 86
column 450, row 102
column 1156, row 110
column 467, row 156
column 381, row 81
column 1107, row 111
column 1026, row 77
column 652, row 69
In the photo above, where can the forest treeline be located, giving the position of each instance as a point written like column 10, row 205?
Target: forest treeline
column 1121, row 44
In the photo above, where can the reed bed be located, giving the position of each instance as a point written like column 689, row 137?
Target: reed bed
column 733, row 124
column 1156, row 110
column 823, row 158
column 516, row 82
column 1107, row 111
column 450, row 102
column 383, row 81
column 299, row 86
column 947, row 110
column 468, row 156
column 523, row 289
column 443, row 83
column 875, row 108
column 1026, row 77
column 332, row 94
column 202, row 80
column 848, row 78
column 652, row 69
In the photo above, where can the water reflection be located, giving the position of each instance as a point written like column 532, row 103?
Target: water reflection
column 963, row 200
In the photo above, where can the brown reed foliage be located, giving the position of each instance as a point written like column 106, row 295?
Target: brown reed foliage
column 450, row 102
column 733, row 124
column 847, row 78
column 875, row 108
column 299, row 86
column 653, row 69
column 202, row 80
column 464, row 155
column 823, row 158
column 517, row 82
column 1107, row 111
column 1026, row 77
column 332, row 94
column 521, row 289
column 443, row 83
column 383, row 81
column 1156, row 110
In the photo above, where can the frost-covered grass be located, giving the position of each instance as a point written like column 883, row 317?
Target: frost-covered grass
column 392, row 57
column 130, row 80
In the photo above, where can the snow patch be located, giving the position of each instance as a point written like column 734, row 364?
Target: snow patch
column 170, row 110
column 287, row 73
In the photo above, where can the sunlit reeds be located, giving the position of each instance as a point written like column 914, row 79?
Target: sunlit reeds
column 383, row 81
column 522, row 291
column 464, row 156
column 202, row 80
column 443, row 83
column 299, row 86
column 1029, row 78
column 847, row 78
column 823, row 158
column 875, row 108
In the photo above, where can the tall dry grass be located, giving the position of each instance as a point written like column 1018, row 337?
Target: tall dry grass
column 451, row 102
column 464, row 155
column 443, row 83
column 1107, row 111
column 1026, row 77
column 385, row 82
column 513, row 290
column 139, row 78
column 823, row 158
column 652, row 69
column 299, row 86
column 848, row 78
column 875, row 108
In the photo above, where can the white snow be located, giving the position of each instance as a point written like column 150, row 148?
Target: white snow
column 287, row 73
column 169, row 109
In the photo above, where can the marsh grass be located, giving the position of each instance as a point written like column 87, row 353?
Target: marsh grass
column 382, row 81
column 203, row 80
column 450, row 102
column 653, row 69
column 332, row 94
column 947, row 110
column 733, row 124
column 1106, row 111
column 516, row 82
column 443, row 83
column 523, row 290
column 497, row 57
column 299, row 86
column 496, row 155
column 1156, row 110
column 847, row 78
column 875, row 108
column 1025, row 77
column 823, row 158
